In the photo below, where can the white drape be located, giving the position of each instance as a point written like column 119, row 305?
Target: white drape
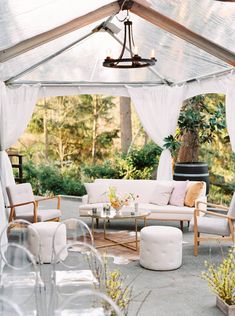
column 158, row 109
column 230, row 111
column 16, row 108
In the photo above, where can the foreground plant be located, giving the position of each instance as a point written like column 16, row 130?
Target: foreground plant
column 112, row 283
column 221, row 278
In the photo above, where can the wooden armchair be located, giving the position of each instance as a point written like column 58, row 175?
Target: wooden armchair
column 220, row 226
column 24, row 206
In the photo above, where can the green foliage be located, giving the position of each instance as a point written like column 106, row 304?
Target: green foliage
column 221, row 278
column 74, row 125
column 106, row 171
column 137, row 164
column 50, row 179
column 171, row 143
column 204, row 114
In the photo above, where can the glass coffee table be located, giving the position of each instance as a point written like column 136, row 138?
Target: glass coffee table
column 126, row 213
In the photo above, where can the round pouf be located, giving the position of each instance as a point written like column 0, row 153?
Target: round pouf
column 40, row 239
column 160, row 247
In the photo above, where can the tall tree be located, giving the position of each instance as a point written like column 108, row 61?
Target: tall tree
column 77, row 128
column 125, row 123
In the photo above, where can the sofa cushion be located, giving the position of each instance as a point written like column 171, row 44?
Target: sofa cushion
column 178, row 193
column 142, row 188
column 97, row 193
column 171, row 209
column 161, row 194
column 193, row 192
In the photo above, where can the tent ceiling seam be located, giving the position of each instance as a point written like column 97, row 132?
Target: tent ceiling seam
column 40, row 39
column 182, row 32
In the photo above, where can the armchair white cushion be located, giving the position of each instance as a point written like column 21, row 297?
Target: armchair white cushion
column 24, row 206
column 221, row 226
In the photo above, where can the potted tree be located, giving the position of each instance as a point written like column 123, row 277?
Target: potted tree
column 201, row 120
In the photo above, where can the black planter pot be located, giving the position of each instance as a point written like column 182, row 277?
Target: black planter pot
column 194, row 171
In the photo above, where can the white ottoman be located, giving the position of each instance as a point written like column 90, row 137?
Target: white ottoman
column 40, row 236
column 160, row 247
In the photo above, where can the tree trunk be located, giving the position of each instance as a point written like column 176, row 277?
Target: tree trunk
column 125, row 123
column 94, row 128
column 45, row 131
column 146, row 138
column 61, row 148
column 189, row 149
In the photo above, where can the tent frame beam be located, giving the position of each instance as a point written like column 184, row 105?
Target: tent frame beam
column 40, row 39
column 182, row 32
column 83, row 84
column 117, row 84
column 57, row 53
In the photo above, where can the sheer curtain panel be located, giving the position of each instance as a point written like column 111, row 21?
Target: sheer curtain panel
column 16, row 108
column 158, row 109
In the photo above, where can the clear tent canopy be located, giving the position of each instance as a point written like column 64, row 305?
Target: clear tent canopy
column 68, row 40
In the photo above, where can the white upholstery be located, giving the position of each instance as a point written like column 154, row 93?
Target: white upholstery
column 46, row 232
column 145, row 189
column 161, row 194
column 160, row 247
column 21, row 193
column 43, row 215
column 211, row 225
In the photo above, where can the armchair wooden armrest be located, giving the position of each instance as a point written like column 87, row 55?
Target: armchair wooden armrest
column 20, row 204
column 214, row 213
column 12, row 212
column 45, row 198
column 221, row 207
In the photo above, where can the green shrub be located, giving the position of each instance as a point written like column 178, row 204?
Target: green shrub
column 138, row 164
column 50, row 179
column 106, row 171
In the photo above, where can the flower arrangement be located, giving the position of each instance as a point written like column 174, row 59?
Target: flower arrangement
column 221, row 278
column 116, row 201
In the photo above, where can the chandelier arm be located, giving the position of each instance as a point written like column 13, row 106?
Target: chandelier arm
column 130, row 35
column 124, row 44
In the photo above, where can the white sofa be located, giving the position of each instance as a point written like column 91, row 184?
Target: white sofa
column 144, row 189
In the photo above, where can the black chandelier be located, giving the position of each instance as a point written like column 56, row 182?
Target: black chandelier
column 134, row 61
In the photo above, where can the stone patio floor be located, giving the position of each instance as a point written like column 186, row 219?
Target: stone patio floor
column 181, row 292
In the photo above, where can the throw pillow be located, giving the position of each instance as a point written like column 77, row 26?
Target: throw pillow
column 97, row 193
column 193, row 193
column 178, row 193
column 161, row 194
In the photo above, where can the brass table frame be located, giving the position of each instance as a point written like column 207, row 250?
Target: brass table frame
column 139, row 216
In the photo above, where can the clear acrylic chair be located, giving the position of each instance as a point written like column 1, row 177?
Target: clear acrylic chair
column 88, row 302
column 82, row 267
column 20, row 279
column 17, row 232
column 76, row 231
column 9, row 307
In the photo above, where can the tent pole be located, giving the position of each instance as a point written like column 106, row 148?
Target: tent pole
column 31, row 68
column 83, row 84
column 208, row 76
